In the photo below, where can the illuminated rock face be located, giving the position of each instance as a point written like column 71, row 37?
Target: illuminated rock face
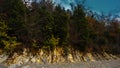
column 73, row 59
column 58, row 56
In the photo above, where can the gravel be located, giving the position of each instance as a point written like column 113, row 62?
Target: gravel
column 95, row 64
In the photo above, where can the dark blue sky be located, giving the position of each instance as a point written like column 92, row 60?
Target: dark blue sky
column 105, row 6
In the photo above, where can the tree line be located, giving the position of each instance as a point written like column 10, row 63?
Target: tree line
column 43, row 24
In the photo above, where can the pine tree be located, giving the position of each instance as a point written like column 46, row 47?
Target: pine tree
column 7, row 44
column 45, row 21
column 81, row 28
column 14, row 15
column 61, row 24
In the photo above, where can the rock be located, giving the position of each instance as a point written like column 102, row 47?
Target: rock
column 3, row 58
column 14, row 66
column 2, row 66
column 107, row 56
column 27, row 66
column 114, row 57
column 18, row 60
column 70, row 58
column 89, row 64
column 91, row 58
column 33, row 60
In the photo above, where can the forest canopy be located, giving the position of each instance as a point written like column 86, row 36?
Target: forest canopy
column 43, row 24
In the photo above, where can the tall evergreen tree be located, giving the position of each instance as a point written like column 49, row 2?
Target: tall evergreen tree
column 61, row 24
column 81, row 27
column 14, row 15
column 45, row 21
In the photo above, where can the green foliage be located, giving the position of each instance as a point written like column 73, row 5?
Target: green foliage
column 45, row 21
column 10, row 45
column 43, row 25
column 102, row 41
column 82, row 30
column 61, row 25
column 34, row 44
column 52, row 42
column 14, row 11
column 3, row 29
column 6, row 42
